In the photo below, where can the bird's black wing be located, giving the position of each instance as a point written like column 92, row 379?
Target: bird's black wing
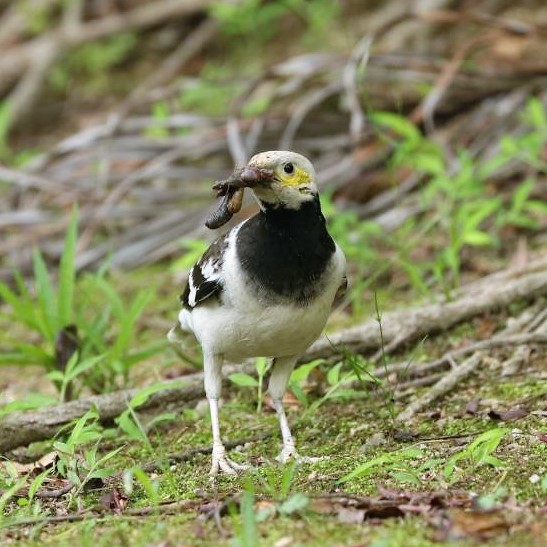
column 205, row 277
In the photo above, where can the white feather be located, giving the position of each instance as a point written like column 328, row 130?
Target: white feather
column 243, row 326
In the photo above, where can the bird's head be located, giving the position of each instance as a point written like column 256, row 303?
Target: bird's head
column 280, row 178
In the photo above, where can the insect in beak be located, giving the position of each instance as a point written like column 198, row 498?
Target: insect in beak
column 231, row 190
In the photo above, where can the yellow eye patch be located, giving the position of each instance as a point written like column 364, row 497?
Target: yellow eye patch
column 297, row 178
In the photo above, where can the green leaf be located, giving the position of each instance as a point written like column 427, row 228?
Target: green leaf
column 194, row 250
column 299, row 394
column 347, row 393
column 406, row 476
column 262, row 365
column 67, row 272
column 492, row 436
column 333, row 375
column 536, row 206
column 242, row 379
column 296, row 503
column 37, row 482
column 5, row 124
column 127, row 324
column 165, row 417
column 56, row 376
column 21, row 305
column 429, row 163
column 382, row 462
column 250, row 530
column 30, row 402
column 129, row 427
column 143, row 395
column 102, row 473
column 398, row 124
column 301, row 373
column 535, row 113
column 478, row 238
column 46, row 297
column 151, row 488
column 521, row 194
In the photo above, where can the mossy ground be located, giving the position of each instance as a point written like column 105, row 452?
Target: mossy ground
column 340, row 430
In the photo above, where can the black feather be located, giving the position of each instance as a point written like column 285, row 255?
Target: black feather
column 286, row 251
column 205, row 288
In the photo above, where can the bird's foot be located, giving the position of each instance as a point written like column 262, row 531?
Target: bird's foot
column 222, row 463
column 288, row 453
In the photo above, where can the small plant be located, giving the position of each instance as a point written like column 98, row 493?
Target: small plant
column 243, row 379
column 79, row 464
column 245, row 524
column 394, row 463
column 278, row 485
column 428, row 248
column 75, row 348
column 478, row 453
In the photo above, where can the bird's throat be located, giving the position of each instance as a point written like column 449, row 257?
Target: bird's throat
column 286, row 251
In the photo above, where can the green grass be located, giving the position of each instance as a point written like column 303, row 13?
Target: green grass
column 89, row 316
column 329, row 432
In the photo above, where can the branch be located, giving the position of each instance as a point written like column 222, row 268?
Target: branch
column 401, row 327
column 22, row 428
column 22, row 59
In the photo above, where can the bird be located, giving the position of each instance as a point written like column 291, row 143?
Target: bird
column 264, row 289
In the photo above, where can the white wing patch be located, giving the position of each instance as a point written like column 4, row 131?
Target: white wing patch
column 205, row 278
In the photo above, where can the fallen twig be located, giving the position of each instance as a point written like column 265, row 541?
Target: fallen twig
column 22, row 428
column 418, row 369
column 97, row 513
column 470, row 365
column 443, row 386
column 402, row 327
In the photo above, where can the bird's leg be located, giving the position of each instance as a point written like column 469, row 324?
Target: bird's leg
column 281, row 371
column 212, row 369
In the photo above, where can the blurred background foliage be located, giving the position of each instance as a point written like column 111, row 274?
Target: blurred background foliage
column 426, row 121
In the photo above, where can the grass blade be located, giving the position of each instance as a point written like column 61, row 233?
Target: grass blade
column 46, row 297
column 67, row 272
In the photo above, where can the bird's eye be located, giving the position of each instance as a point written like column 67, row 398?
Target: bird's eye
column 288, row 168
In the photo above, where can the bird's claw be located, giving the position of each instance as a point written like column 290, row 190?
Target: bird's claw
column 288, row 453
column 222, row 463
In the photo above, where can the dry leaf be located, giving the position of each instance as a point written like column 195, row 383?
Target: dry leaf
column 508, row 415
column 477, row 525
column 350, row 515
column 46, row 461
column 114, row 501
column 472, row 407
column 289, row 401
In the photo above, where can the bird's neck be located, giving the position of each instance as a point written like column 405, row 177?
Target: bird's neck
column 308, row 218
column 285, row 251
